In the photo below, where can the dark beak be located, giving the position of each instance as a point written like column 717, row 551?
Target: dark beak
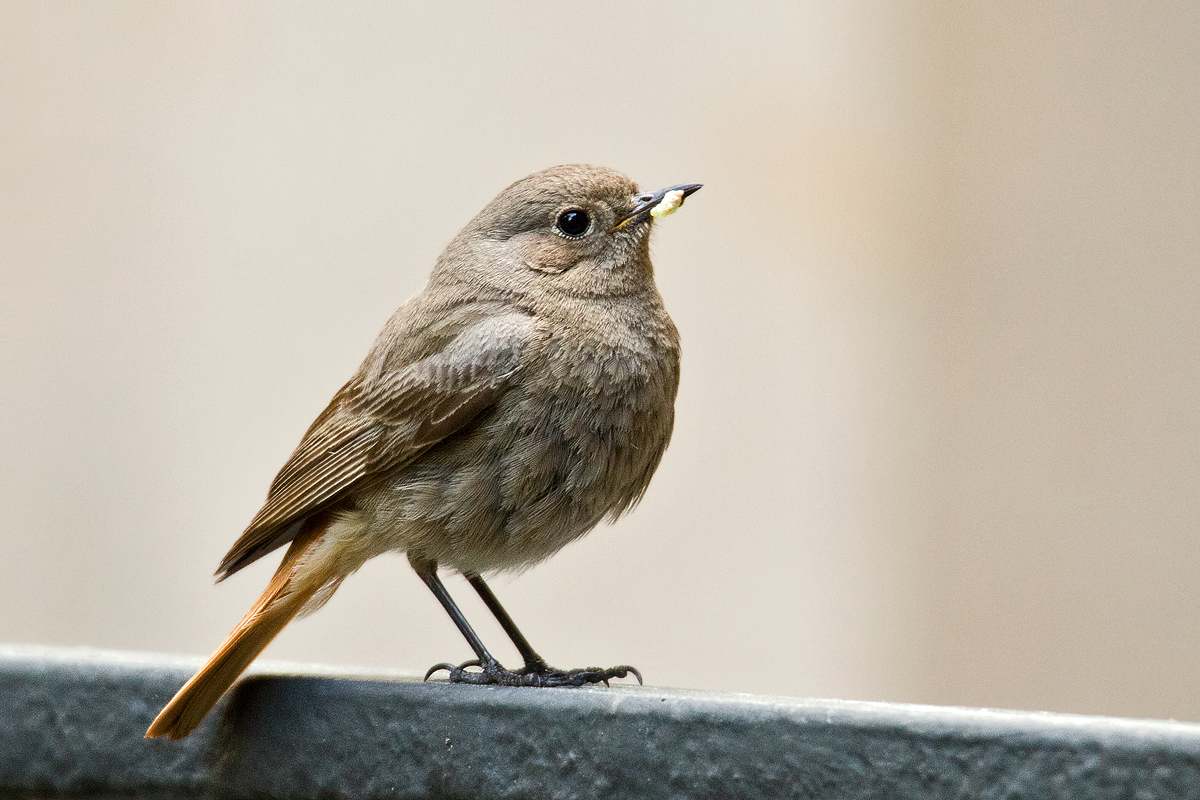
column 648, row 200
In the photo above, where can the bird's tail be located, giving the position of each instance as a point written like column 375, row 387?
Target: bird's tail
column 300, row 577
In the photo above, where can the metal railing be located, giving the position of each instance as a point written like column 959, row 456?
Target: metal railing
column 71, row 724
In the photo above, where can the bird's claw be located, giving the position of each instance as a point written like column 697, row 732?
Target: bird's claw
column 457, row 673
column 537, row 674
column 580, row 677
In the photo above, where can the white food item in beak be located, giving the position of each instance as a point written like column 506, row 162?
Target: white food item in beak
column 670, row 202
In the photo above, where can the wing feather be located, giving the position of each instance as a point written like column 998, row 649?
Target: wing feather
column 372, row 428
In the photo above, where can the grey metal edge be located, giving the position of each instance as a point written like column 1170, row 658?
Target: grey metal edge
column 71, row 724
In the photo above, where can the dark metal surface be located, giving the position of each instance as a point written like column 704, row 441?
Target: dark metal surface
column 71, row 724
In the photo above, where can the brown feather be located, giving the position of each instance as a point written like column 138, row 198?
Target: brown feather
column 369, row 430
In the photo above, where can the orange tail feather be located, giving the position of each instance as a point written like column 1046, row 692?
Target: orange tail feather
column 284, row 598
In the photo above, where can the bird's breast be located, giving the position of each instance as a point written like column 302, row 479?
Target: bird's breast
column 582, row 438
column 574, row 439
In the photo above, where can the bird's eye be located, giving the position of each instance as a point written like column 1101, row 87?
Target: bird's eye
column 573, row 222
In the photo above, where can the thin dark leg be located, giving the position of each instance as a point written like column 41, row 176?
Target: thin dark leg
column 490, row 671
column 439, row 591
column 533, row 662
column 536, row 670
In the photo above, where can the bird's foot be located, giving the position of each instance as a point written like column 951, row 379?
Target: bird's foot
column 541, row 674
column 535, row 674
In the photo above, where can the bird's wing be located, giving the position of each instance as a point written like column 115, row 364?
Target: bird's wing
column 377, row 424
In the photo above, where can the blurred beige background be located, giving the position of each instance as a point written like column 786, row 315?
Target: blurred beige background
column 937, row 436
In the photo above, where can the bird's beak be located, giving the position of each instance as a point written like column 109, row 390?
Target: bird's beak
column 647, row 202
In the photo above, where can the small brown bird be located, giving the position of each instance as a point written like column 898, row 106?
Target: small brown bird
column 525, row 394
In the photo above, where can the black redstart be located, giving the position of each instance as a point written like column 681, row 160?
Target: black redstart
column 525, row 394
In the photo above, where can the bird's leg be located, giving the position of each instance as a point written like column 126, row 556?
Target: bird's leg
column 533, row 662
column 486, row 662
column 490, row 671
column 538, row 672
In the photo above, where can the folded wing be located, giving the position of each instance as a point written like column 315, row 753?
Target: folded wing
column 378, row 423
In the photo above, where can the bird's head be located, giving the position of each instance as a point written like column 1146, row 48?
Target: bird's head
column 568, row 231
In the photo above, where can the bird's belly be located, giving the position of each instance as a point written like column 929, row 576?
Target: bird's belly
column 528, row 477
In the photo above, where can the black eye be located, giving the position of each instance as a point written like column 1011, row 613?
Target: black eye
column 573, row 222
